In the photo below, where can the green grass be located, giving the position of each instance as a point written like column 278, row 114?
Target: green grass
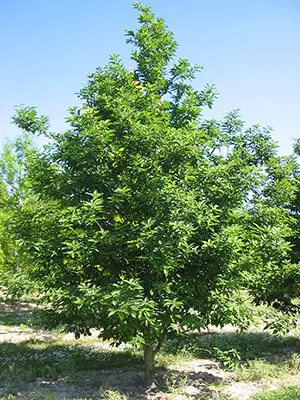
column 282, row 394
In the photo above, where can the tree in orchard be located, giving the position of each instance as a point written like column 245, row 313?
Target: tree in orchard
column 280, row 284
column 275, row 278
column 144, row 218
column 294, row 204
column 13, row 188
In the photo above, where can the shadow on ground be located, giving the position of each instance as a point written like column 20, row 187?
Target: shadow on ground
column 38, row 366
column 39, row 369
column 126, row 381
column 42, row 368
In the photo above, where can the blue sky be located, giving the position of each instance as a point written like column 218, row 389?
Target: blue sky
column 249, row 48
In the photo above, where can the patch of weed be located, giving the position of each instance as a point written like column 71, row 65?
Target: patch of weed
column 249, row 345
column 210, row 395
column 292, row 393
column 112, row 395
column 256, row 370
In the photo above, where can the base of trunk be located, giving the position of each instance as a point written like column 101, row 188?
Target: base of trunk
column 149, row 365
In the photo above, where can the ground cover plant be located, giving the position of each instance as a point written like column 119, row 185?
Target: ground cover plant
column 144, row 220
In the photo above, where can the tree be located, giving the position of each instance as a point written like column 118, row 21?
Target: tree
column 146, row 219
column 294, row 204
column 13, row 188
column 276, row 281
column 276, row 278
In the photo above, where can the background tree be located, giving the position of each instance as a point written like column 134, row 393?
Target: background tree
column 294, row 205
column 144, row 219
column 276, row 279
column 13, row 189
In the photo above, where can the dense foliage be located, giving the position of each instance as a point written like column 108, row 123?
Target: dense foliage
column 14, row 188
column 145, row 219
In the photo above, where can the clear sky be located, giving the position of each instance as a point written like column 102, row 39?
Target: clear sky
column 249, row 48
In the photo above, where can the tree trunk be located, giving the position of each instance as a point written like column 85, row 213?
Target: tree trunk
column 149, row 364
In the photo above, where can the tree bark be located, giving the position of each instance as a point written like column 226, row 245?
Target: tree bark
column 149, row 364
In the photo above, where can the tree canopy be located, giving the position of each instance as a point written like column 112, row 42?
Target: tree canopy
column 13, row 189
column 146, row 219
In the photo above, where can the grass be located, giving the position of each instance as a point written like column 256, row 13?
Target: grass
column 292, row 393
